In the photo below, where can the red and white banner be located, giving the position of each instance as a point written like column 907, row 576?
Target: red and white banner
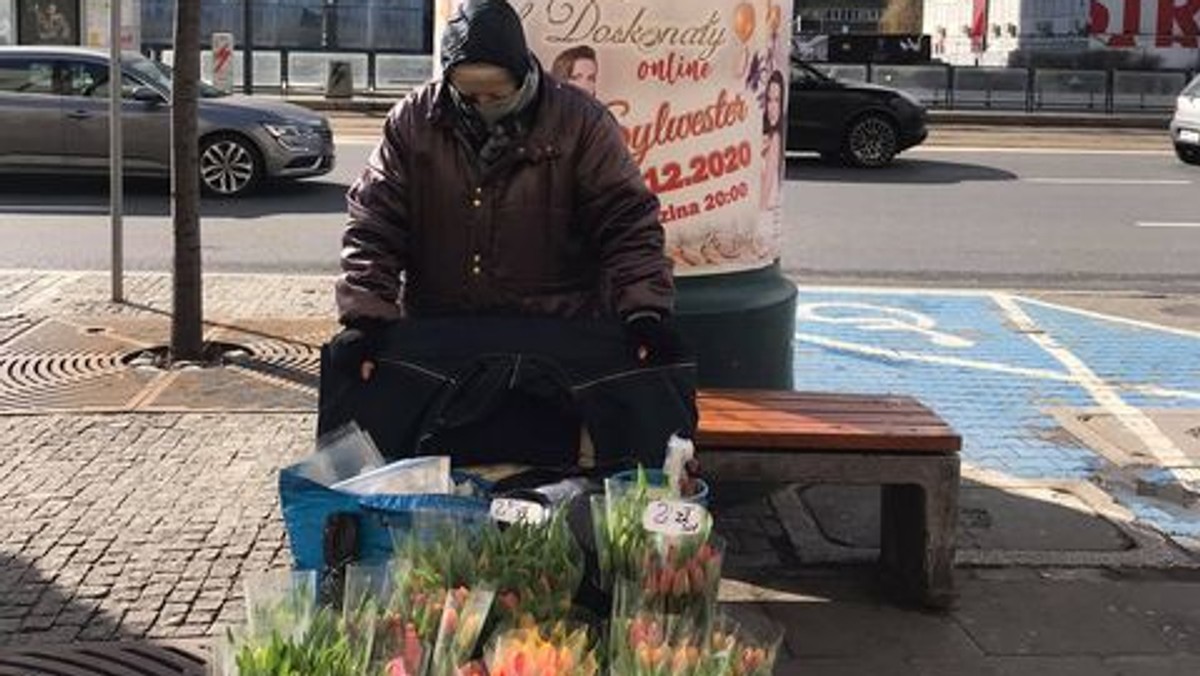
column 979, row 25
column 699, row 88
column 1146, row 23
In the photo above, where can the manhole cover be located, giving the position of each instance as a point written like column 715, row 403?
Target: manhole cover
column 65, row 365
column 104, row 659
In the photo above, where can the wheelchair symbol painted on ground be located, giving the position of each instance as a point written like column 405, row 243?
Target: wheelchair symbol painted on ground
column 880, row 318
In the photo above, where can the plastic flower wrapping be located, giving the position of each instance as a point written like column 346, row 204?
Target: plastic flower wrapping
column 288, row 635
column 464, row 595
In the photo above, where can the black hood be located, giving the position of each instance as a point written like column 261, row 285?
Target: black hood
column 486, row 31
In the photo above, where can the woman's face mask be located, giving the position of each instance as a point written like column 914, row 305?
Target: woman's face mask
column 494, row 111
column 489, row 89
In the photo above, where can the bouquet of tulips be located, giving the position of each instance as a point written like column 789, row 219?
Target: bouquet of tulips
column 621, row 541
column 681, row 576
column 463, row 617
column 286, row 635
column 741, row 649
column 651, row 644
column 557, row 650
column 437, row 555
column 536, row 568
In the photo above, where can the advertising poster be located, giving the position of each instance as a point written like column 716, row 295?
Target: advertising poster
column 48, row 22
column 97, row 23
column 1149, row 23
column 699, row 88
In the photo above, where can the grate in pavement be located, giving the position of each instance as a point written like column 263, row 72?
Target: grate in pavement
column 104, row 659
column 70, row 364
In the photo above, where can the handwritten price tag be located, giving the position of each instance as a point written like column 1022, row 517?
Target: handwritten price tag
column 674, row 517
column 513, row 510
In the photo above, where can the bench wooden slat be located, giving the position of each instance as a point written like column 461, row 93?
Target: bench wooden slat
column 800, row 421
column 850, row 417
column 826, row 440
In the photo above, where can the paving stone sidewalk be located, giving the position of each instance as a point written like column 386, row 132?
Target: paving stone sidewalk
column 138, row 520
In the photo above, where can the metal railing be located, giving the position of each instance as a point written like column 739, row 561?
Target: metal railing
column 1025, row 89
column 288, row 71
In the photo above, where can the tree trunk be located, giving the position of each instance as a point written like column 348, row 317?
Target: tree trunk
column 188, row 314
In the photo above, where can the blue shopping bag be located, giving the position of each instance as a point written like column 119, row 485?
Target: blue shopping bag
column 308, row 507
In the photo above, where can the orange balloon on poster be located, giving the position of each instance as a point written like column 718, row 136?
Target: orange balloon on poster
column 743, row 21
column 773, row 18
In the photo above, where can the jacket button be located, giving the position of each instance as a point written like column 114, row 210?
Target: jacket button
column 477, row 258
column 476, row 270
column 476, row 203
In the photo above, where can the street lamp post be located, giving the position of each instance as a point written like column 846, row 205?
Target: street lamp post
column 247, row 47
column 115, row 151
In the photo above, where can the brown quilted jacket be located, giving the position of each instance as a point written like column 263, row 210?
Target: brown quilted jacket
column 563, row 225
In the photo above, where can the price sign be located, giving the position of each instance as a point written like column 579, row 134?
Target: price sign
column 674, row 517
column 513, row 510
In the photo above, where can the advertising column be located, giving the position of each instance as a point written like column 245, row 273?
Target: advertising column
column 699, row 88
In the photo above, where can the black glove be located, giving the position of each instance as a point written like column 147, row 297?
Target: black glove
column 654, row 340
column 359, row 342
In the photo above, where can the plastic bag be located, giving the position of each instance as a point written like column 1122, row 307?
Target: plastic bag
column 429, row 475
column 343, row 453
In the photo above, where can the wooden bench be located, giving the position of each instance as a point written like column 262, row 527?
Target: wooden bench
column 891, row 441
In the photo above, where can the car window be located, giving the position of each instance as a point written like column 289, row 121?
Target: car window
column 804, row 77
column 1192, row 89
column 85, row 78
column 207, row 91
column 27, row 75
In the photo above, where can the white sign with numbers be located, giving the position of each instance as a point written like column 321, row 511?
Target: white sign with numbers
column 513, row 510
column 674, row 517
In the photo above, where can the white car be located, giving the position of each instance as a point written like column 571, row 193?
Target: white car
column 1185, row 127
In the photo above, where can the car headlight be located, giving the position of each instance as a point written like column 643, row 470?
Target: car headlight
column 292, row 135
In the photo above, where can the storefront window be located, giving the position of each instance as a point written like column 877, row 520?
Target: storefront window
column 8, row 24
column 48, row 22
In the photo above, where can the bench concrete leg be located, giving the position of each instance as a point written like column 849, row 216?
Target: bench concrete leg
column 917, row 526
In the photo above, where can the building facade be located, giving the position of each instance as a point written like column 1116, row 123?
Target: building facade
column 1132, row 33
column 838, row 17
column 381, row 25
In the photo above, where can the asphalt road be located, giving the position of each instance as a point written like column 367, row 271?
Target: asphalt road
column 960, row 216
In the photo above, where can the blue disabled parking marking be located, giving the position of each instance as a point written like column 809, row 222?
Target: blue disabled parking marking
column 995, row 366
column 1153, row 367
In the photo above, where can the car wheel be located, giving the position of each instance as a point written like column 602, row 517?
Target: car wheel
column 870, row 141
column 230, row 165
column 1188, row 154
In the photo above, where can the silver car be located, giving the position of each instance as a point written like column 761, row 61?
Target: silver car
column 54, row 119
column 1185, row 126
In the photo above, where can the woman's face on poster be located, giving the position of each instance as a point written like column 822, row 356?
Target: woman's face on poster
column 583, row 75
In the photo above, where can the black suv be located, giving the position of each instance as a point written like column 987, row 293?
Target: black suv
column 861, row 124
